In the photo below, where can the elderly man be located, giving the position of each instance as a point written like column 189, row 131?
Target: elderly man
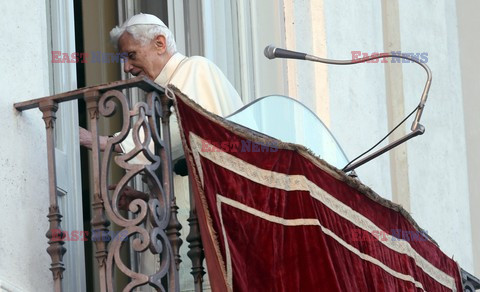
column 150, row 51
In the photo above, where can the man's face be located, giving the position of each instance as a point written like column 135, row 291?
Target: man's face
column 143, row 60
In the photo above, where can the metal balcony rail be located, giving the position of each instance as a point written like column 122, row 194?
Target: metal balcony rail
column 154, row 225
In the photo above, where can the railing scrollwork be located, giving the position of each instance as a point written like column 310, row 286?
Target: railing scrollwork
column 154, row 226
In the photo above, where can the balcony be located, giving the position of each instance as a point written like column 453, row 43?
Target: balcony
column 150, row 226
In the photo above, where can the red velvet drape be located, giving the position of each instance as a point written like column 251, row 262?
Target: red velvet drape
column 275, row 218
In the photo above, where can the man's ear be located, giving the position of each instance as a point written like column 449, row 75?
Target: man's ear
column 161, row 43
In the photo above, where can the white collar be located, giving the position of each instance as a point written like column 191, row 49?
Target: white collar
column 167, row 72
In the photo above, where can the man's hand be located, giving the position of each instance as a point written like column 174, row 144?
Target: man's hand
column 128, row 195
column 86, row 140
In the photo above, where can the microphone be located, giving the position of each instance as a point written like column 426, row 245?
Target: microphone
column 272, row 52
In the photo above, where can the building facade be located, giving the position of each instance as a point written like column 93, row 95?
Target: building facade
column 433, row 176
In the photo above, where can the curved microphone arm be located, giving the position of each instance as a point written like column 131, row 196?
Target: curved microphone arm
column 416, row 123
column 272, row 52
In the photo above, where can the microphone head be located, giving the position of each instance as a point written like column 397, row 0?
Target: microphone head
column 270, row 52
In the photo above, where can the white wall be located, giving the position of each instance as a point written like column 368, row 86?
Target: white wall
column 358, row 102
column 23, row 179
column 468, row 25
column 437, row 160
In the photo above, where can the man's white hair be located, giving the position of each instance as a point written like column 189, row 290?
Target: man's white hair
column 144, row 33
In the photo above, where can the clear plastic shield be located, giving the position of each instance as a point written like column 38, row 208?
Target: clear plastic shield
column 289, row 120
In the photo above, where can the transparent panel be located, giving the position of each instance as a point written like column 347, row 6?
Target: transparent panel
column 289, row 120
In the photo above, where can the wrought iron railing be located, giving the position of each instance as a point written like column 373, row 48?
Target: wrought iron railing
column 154, row 225
column 470, row 282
